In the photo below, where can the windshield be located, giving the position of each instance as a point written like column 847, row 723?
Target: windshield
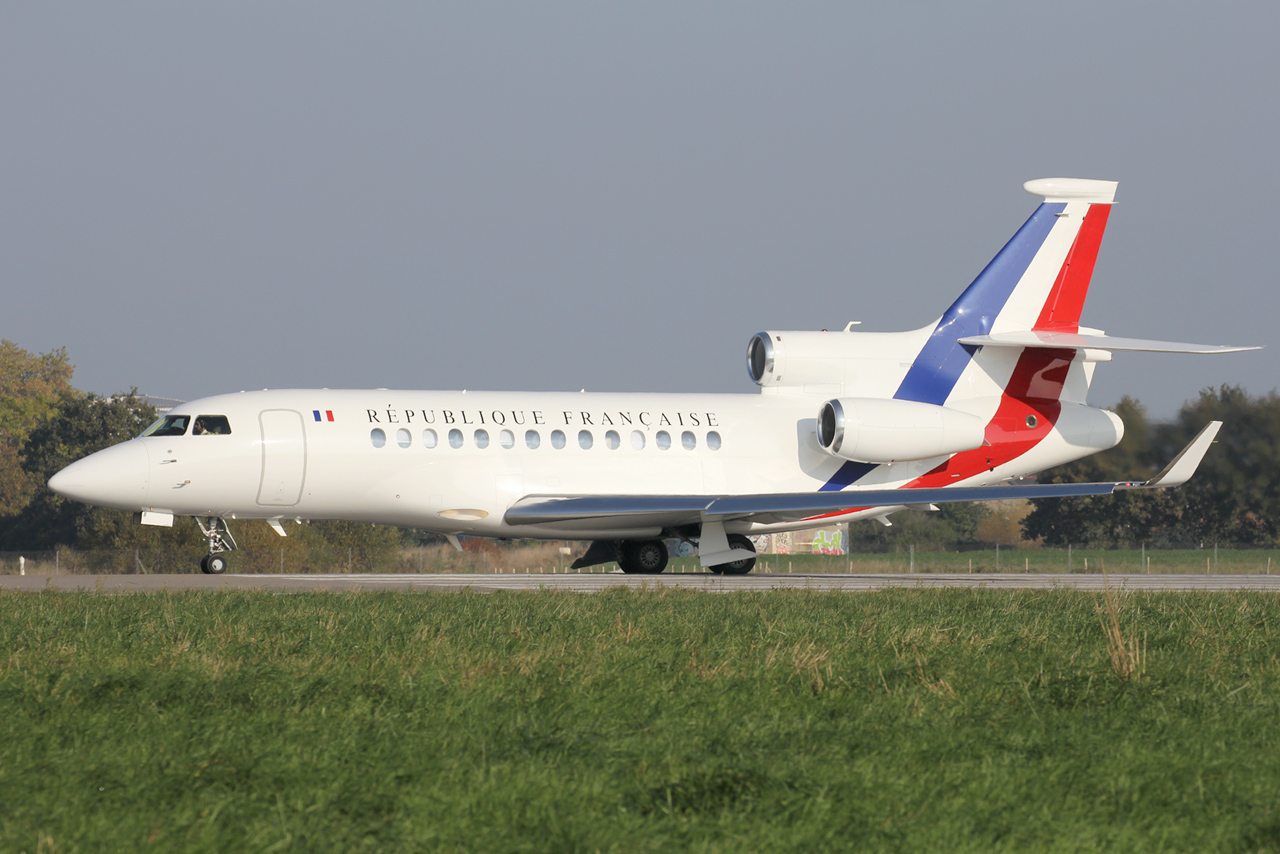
column 170, row 425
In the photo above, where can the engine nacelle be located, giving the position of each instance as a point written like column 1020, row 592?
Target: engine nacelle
column 798, row 358
column 871, row 430
column 833, row 364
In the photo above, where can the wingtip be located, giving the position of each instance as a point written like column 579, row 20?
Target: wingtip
column 1184, row 465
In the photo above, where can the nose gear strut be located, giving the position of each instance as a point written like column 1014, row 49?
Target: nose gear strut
column 215, row 530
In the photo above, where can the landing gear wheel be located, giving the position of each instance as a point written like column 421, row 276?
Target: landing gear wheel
column 215, row 530
column 737, row 567
column 647, row 557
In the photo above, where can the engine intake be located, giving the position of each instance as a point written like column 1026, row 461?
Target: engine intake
column 870, row 430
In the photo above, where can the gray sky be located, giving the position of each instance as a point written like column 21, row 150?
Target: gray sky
column 198, row 198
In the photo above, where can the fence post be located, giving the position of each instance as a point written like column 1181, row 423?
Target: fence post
column 22, row 565
column 913, row 558
column 1215, row 557
column 1144, row 556
column 348, row 560
column 282, row 560
column 57, row 561
column 1068, row 557
column 997, row 557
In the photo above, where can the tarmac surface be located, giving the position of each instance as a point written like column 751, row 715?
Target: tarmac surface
column 594, row 582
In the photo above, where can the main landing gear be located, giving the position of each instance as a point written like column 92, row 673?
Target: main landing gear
column 741, row 566
column 649, row 557
column 645, row 557
column 215, row 530
column 635, row 557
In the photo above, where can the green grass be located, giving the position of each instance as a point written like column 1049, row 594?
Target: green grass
column 637, row 721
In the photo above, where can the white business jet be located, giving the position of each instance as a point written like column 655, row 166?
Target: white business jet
column 847, row 425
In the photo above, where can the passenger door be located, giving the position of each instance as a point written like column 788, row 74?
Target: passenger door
column 284, row 457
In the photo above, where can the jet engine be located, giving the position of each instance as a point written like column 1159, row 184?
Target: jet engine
column 832, row 364
column 871, row 430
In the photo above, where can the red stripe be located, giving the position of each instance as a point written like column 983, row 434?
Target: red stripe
column 1033, row 390
column 329, row 412
column 1062, row 309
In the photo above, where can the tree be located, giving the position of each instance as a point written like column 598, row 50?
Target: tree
column 82, row 424
column 1235, row 496
column 32, row 387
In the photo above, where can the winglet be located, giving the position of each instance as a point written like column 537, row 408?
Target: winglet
column 1184, row 465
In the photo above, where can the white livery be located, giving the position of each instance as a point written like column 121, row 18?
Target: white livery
column 847, row 425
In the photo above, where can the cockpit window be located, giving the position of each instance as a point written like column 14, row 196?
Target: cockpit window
column 170, row 425
column 211, row 425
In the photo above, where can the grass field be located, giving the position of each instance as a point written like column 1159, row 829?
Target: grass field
column 640, row 721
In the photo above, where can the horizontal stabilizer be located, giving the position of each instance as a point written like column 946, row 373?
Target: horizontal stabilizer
column 676, row 510
column 1078, row 341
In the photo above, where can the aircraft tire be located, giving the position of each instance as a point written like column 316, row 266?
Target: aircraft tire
column 737, row 567
column 213, row 564
column 644, row 557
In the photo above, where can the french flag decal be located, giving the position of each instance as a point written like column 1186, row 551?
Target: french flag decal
column 327, row 415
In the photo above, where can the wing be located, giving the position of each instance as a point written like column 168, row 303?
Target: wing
column 669, row 511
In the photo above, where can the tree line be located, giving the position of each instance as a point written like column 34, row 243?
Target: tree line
column 46, row 424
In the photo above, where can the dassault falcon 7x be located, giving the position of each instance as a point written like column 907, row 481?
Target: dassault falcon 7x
column 846, row 425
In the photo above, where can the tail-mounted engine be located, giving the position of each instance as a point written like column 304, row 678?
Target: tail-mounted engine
column 870, row 430
column 795, row 359
column 832, row 364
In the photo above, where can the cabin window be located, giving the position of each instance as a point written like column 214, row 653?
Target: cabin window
column 429, row 438
column 557, row 439
column 170, row 425
column 585, row 440
column 377, row 437
column 713, row 440
column 612, row 440
column 455, row 438
column 507, row 439
column 404, row 438
column 532, row 439
column 482, row 438
column 211, row 425
column 688, row 441
column 637, row 440
column 663, row 440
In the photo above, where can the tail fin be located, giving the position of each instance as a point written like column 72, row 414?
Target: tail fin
column 1039, row 280
column 1051, row 293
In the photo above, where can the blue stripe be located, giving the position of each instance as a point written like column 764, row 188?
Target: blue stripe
column 316, row 413
column 937, row 369
column 848, row 473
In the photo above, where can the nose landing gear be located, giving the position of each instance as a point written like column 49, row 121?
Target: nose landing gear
column 215, row 530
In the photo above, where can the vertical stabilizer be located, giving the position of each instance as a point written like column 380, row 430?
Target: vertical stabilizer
column 1039, row 280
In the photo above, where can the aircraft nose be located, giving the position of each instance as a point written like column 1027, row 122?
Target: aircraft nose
column 115, row 477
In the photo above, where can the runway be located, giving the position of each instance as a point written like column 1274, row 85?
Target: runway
column 595, row 582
